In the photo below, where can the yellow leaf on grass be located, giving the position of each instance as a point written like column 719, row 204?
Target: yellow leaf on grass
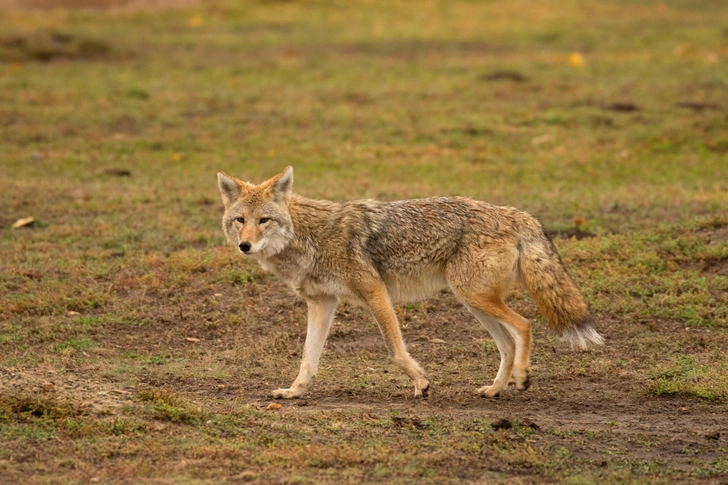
column 576, row 59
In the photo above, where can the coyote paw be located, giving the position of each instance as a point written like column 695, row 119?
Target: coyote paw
column 422, row 388
column 287, row 393
column 490, row 391
column 524, row 382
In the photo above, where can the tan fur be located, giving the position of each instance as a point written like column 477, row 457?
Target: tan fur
column 374, row 253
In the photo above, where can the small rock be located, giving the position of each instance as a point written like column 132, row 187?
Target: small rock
column 501, row 424
column 504, row 76
column 118, row 172
column 530, row 424
column 622, row 106
column 48, row 387
column 713, row 436
column 436, row 341
column 273, row 407
column 399, row 421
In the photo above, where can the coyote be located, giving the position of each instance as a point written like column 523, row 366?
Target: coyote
column 375, row 253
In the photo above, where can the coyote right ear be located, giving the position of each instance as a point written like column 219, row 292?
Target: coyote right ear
column 230, row 188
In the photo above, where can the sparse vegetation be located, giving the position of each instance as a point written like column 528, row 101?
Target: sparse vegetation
column 688, row 376
column 136, row 347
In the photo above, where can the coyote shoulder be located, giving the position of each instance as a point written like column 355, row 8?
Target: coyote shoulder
column 376, row 253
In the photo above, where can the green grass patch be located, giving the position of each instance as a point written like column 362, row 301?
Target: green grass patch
column 662, row 273
column 165, row 405
column 705, row 378
column 75, row 343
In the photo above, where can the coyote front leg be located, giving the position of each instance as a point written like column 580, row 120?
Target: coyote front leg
column 320, row 316
column 379, row 303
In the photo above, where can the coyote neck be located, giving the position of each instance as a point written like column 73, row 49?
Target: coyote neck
column 310, row 219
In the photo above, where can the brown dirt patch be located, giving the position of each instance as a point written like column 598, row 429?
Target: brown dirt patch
column 89, row 393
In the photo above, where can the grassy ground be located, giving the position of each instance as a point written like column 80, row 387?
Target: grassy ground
column 136, row 347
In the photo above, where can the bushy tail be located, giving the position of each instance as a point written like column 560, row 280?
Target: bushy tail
column 555, row 293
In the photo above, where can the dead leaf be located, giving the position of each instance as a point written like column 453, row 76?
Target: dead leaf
column 540, row 140
column 192, row 339
column 576, row 59
column 273, row 407
column 436, row 341
column 24, row 222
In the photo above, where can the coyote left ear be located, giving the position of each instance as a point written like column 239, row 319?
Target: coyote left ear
column 282, row 185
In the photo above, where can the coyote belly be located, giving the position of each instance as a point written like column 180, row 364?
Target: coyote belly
column 375, row 253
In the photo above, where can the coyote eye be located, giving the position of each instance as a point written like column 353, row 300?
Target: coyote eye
column 263, row 220
column 241, row 220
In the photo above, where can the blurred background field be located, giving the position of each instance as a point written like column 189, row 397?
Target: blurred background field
column 606, row 119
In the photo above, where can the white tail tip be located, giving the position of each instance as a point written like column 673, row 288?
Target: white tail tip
column 581, row 337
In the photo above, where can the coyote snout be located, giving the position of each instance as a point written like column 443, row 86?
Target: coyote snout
column 375, row 253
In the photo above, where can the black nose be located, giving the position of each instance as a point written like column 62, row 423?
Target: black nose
column 244, row 246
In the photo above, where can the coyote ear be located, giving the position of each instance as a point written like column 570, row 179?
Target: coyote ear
column 282, row 185
column 230, row 188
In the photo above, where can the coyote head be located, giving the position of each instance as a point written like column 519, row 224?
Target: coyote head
column 256, row 217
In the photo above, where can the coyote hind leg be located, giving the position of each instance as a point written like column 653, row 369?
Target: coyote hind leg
column 519, row 329
column 506, row 348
